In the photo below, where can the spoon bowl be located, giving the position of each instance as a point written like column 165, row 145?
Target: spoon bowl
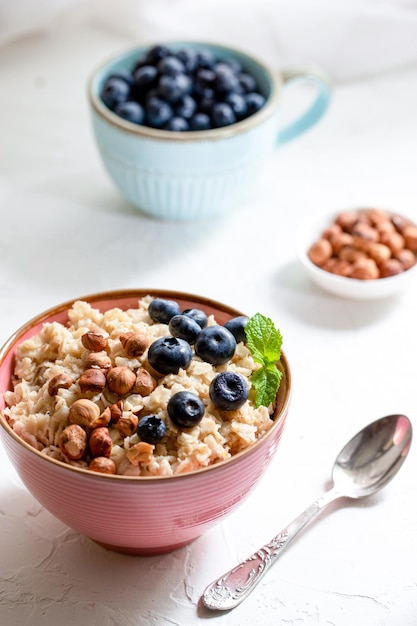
column 372, row 457
column 363, row 466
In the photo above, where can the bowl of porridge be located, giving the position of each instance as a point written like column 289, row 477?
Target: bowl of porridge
column 135, row 418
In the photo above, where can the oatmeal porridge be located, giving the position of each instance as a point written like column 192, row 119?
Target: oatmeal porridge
column 122, row 392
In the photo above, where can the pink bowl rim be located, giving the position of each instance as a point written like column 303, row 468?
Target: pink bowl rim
column 119, row 294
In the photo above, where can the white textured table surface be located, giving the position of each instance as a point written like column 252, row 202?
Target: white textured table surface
column 66, row 232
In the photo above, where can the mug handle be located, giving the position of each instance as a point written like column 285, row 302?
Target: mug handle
column 321, row 82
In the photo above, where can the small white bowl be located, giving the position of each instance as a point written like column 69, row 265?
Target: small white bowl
column 353, row 288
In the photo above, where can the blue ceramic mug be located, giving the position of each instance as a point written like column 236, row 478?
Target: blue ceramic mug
column 198, row 174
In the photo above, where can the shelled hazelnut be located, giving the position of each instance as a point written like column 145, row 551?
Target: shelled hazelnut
column 92, row 380
column 120, row 380
column 366, row 244
column 97, row 360
column 60, row 381
column 145, row 382
column 136, row 345
column 73, row 442
column 127, row 424
column 103, row 465
column 116, row 411
column 94, row 340
column 83, row 412
column 100, row 442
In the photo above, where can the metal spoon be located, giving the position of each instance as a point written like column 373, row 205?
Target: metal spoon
column 364, row 465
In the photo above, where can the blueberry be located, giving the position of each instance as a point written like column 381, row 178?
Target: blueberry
column 185, row 409
column 238, row 104
column 173, row 88
column 205, row 58
column 222, row 114
column 207, row 102
column 185, row 107
column 131, row 111
column 228, row 391
column 151, row 429
column 177, row 124
column 156, row 53
column 247, row 82
column 254, row 102
column 161, row 310
column 158, row 112
column 185, row 90
column 189, row 58
column 226, row 79
column 184, row 327
column 145, row 76
column 204, row 78
column 200, row 121
column 237, row 327
column 168, row 354
column 115, row 91
column 197, row 315
column 171, row 65
column 139, row 63
column 123, row 75
column 215, row 345
column 235, row 66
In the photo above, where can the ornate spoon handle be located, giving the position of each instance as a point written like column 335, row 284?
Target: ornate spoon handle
column 233, row 587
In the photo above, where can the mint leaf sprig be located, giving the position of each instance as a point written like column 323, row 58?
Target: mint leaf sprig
column 264, row 341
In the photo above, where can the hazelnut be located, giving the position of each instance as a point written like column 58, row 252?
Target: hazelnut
column 377, row 216
column 347, row 219
column 136, row 345
column 103, row 465
column 320, row 252
column 127, row 424
column 394, row 241
column 141, row 452
column 97, row 360
column 145, row 382
column 103, row 419
column 329, row 265
column 406, row 258
column 83, row 412
column 379, row 252
column 364, row 232
column 94, row 340
column 390, row 267
column 120, row 380
column 331, row 231
column 60, row 381
column 73, row 442
column 125, row 336
column 386, row 226
column 365, row 269
column 351, row 254
column 93, row 380
column 116, row 411
column 410, row 237
column 100, row 442
column 338, row 241
column 342, row 268
column 400, row 222
column 363, row 218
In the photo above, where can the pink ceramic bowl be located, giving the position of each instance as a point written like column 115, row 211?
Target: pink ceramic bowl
column 138, row 515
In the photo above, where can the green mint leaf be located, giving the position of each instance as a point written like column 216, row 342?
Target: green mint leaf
column 266, row 382
column 263, row 339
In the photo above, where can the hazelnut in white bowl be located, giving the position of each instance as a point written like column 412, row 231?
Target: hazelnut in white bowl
column 362, row 254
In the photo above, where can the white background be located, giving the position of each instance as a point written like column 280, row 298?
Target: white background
column 66, row 232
